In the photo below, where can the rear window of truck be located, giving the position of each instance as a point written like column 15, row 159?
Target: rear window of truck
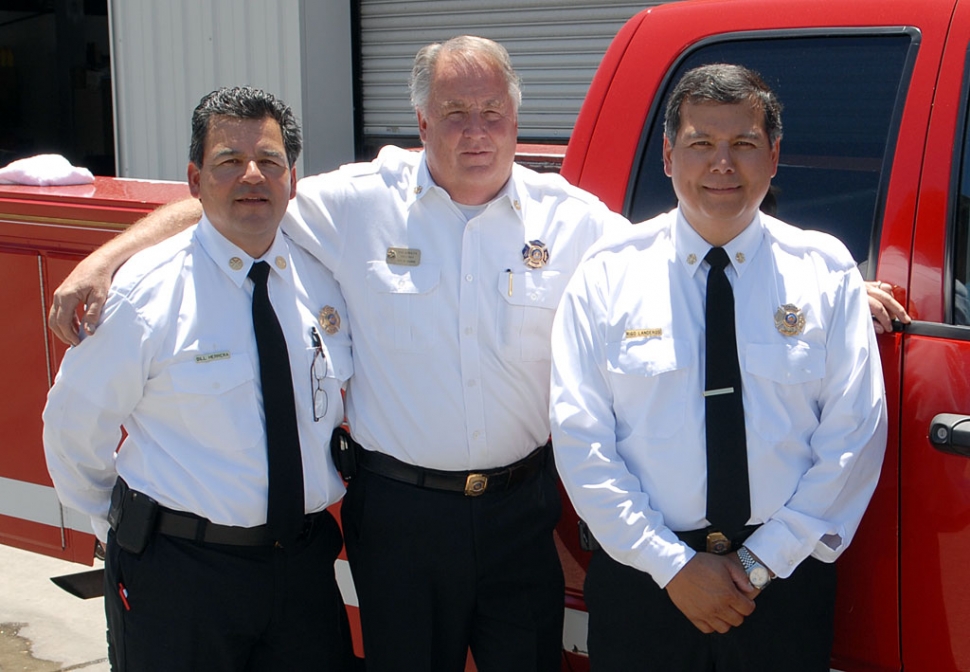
column 842, row 96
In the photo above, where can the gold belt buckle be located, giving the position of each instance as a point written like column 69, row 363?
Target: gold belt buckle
column 718, row 544
column 475, row 484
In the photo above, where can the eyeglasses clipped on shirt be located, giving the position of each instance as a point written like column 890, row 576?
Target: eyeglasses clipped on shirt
column 318, row 371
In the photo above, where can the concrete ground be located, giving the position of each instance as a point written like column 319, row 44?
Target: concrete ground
column 43, row 628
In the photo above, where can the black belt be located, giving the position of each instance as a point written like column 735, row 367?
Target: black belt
column 699, row 540
column 189, row 526
column 469, row 483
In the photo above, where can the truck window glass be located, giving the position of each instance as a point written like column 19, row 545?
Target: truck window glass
column 960, row 250
column 841, row 98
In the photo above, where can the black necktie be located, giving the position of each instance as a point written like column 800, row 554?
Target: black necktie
column 284, row 514
column 728, row 497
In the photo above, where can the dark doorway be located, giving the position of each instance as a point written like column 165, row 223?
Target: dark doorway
column 55, row 82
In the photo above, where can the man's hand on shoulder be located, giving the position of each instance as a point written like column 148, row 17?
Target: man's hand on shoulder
column 86, row 286
column 713, row 592
column 88, row 283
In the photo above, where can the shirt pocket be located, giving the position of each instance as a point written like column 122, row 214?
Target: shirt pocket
column 406, row 296
column 217, row 401
column 783, row 376
column 525, row 315
column 651, row 373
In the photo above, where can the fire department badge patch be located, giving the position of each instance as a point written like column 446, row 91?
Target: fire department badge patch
column 789, row 320
column 535, row 254
column 329, row 320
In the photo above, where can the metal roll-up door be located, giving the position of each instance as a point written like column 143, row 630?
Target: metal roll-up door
column 556, row 46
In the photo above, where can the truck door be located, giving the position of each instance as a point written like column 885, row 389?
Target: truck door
column 30, row 515
column 934, row 459
column 44, row 232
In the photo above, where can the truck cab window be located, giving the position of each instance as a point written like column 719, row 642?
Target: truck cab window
column 958, row 301
column 841, row 96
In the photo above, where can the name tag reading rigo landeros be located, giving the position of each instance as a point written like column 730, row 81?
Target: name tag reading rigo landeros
column 643, row 333
column 403, row 256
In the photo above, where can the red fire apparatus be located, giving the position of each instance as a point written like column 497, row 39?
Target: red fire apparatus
column 876, row 150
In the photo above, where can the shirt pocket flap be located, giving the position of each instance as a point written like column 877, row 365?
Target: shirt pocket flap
column 386, row 279
column 214, row 376
column 648, row 356
column 787, row 364
column 539, row 289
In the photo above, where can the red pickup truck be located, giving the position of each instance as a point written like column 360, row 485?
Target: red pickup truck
column 876, row 151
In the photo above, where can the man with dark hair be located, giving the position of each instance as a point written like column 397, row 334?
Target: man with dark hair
column 221, row 353
column 718, row 411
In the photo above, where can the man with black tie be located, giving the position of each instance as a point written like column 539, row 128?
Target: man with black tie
column 222, row 354
column 718, row 411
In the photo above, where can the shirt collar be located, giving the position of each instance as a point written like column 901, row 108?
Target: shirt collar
column 235, row 263
column 422, row 184
column 691, row 248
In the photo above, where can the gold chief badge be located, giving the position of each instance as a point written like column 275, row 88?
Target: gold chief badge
column 329, row 320
column 535, row 254
column 789, row 320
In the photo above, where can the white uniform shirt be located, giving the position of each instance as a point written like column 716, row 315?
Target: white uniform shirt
column 628, row 376
column 451, row 351
column 174, row 360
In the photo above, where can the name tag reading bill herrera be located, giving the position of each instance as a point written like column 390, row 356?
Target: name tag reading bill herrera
column 211, row 357
column 643, row 333
column 403, row 256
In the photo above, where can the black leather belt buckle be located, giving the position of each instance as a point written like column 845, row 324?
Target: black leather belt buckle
column 718, row 544
column 475, row 484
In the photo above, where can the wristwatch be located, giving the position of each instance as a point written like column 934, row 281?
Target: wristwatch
column 758, row 574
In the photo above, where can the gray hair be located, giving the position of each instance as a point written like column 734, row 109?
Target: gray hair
column 471, row 51
column 243, row 102
column 725, row 84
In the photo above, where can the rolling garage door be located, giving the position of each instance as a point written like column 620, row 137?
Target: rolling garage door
column 555, row 45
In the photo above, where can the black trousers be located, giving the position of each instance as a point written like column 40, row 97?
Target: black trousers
column 215, row 608
column 438, row 573
column 635, row 627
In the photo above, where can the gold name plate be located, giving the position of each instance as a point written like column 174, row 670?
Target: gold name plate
column 403, row 256
column 643, row 333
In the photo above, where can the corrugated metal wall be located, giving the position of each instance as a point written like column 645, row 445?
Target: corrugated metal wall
column 556, row 46
column 167, row 55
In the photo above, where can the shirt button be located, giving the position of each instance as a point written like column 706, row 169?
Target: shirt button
column 534, row 297
column 472, row 383
column 468, row 277
column 469, row 331
column 400, row 283
column 476, row 434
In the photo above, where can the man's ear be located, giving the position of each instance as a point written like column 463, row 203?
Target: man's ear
column 195, row 177
column 667, row 151
column 422, row 126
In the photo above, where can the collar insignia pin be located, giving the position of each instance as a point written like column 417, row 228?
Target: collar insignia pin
column 236, row 264
column 691, row 258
